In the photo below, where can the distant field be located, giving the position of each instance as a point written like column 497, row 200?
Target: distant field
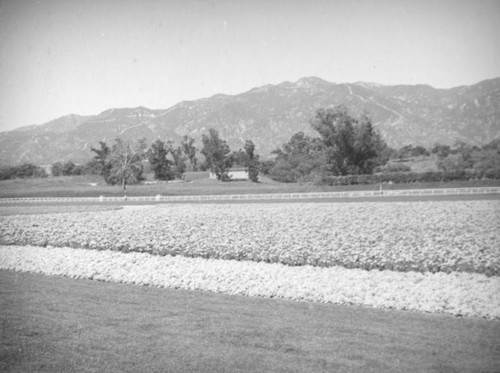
column 195, row 184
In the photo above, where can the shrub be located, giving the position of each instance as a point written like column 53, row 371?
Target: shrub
column 26, row 170
column 492, row 173
column 409, row 177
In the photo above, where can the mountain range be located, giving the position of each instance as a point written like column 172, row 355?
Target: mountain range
column 269, row 116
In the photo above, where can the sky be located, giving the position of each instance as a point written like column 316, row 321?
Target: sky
column 60, row 57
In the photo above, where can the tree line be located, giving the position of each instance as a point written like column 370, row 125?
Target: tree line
column 123, row 162
column 23, row 171
column 344, row 146
column 347, row 150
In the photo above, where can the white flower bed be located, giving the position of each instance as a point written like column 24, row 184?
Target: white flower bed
column 433, row 236
column 457, row 293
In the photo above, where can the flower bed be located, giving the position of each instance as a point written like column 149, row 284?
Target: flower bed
column 462, row 236
column 460, row 294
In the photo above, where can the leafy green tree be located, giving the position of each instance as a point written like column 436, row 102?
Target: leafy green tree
column 68, row 169
column 248, row 159
column 217, row 154
column 27, row 170
column 385, row 154
column 190, row 151
column 92, row 167
column 466, row 152
column 266, row 166
column 57, row 169
column 452, row 163
column 488, row 161
column 239, row 158
column 442, row 151
column 408, row 151
column 297, row 159
column 141, row 147
column 6, row 173
column 351, row 145
column 252, row 161
column 161, row 165
column 419, row 151
column 403, row 153
column 79, row 170
column 102, row 161
column 179, row 160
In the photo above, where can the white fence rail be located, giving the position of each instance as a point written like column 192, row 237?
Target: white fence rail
column 269, row 196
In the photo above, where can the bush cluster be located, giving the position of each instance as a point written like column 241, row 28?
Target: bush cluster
column 410, row 177
column 25, row 170
column 68, row 169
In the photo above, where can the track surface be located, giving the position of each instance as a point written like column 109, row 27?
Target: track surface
column 462, row 197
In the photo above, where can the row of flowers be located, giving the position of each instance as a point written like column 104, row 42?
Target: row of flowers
column 460, row 294
column 434, row 236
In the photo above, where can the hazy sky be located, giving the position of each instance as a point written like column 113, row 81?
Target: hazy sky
column 59, row 56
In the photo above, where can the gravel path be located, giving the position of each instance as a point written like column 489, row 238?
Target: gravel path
column 460, row 294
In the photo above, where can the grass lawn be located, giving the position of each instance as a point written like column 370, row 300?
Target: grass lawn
column 53, row 324
column 94, row 186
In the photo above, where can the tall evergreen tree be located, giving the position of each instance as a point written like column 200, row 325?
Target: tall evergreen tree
column 252, row 161
column 161, row 165
column 102, row 159
column 179, row 160
column 190, row 151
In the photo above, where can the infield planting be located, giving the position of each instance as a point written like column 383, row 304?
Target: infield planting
column 435, row 256
column 459, row 236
